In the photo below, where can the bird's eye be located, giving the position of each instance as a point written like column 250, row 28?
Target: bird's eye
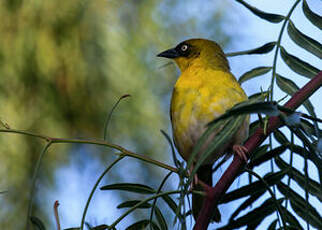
column 184, row 48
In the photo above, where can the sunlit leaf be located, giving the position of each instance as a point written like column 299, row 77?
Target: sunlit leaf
column 297, row 65
column 304, row 41
column 258, row 71
column 131, row 203
column 253, row 188
column 161, row 220
column 289, row 87
column 37, row 223
column 274, row 18
column 268, row 47
column 313, row 17
column 311, row 186
column 137, row 188
column 301, row 207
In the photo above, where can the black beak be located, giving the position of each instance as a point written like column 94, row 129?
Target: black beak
column 170, row 53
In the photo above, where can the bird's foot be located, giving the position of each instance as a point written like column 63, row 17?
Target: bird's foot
column 241, row 151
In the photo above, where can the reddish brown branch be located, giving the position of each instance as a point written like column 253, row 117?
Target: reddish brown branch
column 215, row 193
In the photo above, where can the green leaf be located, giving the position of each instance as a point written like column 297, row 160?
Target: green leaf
column 170, row 202
column 310, row 129
column 253, row 127
column 137, row 188
column 294, row 224
column 289, row 87
column 131, row 203
column 304, row 41
column 250, row 201
column 268, row 47
column 280, row 137
column 297, row 65
column 162, row 222
column 221, row 137
column 313, row 17
column 265, row 156
column 100, row 227
column 301, row 207
column 256, row 97
column 272, row 226
column 274, row 18
column 142, row 224
column 253, row 218
column 37, row 223
column 311, row 186
column 258, row 71
column 253, row 188
column 248, row 107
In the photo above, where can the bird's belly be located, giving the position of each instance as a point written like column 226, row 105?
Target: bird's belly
column 191, row 110
column 190, row 117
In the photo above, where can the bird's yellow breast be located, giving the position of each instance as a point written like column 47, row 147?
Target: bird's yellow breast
column 200, row 95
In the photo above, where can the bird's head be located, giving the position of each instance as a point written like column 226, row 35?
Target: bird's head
column 197, row 52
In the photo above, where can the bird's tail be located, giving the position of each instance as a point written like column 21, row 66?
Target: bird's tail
column 204, row 174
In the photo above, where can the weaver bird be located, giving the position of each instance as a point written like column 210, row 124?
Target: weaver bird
column 205, row 90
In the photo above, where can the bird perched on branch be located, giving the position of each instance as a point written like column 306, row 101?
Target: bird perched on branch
column 205, row 90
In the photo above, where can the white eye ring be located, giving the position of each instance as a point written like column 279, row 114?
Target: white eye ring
column 184, row 48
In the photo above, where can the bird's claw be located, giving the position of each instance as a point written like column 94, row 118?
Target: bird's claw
column 241, row 151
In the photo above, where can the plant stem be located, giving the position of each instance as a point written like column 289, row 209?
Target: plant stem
column 126, row 152
column 278, row 43
column 94, row 188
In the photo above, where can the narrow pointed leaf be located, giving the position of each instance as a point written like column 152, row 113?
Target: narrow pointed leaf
column 268, row 108
column 297, row 65
column 313, row 17
column 142, row 224
column 37, row 223
column 255, row 187
column 137, row 188
column 268, row 47
column 304, row 41
column 310, row 129
column 226, row 133
column 258, row 160
column 258, row 71
column 311, row 186
column 289, row 87
column 100, row 227
column 170, row 202
column 161, row 220
column 253, row 218
column 280, row 137
column 294, row 224
column 257, row 97
column 131, row 203
column 272, row 226
column 274, row 18
column 250, row 201
column 299, row 205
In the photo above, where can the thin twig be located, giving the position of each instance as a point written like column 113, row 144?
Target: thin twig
column 56, row 204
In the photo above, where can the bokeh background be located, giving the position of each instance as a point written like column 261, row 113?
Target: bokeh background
column 63, row 64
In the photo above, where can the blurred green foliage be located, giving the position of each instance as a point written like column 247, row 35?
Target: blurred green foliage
column 62, row 66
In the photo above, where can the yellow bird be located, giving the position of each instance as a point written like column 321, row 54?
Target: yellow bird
column 205, row 90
